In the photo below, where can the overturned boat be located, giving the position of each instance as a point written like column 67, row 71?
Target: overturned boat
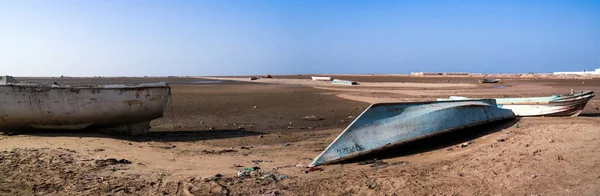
column 384, row 125
column 489, row 80
column 344, row 82
column 119, row 108
column 556, row 105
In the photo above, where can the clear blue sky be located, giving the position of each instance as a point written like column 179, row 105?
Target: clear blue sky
column 235, row 37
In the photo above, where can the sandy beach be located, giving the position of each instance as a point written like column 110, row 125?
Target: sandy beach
column 216, row 126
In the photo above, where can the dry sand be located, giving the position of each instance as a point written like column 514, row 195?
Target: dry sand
column 543, row 156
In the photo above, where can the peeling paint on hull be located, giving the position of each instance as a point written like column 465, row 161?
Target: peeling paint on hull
column 385, row 125
column 25, row 107
column 556, row 105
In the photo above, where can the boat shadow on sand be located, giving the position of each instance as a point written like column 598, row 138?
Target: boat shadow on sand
column 157, row 136
column 441, row 141
column 597, row 114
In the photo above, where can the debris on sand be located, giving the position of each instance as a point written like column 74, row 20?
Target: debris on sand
column 259, row 161
column 399, row 163
column 369, row 162
column 267, row 176
column 251, row 168
column 311, row 169
column 98, row 149
column 167, row 147
column 217, row 151
column 111, row 161
column 464, row 145
column 312, row 118
column 246, row 147
column 379, row 163
column 501, row 140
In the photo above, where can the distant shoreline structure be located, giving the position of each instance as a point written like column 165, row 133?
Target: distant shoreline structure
column 439, row 74
column 595, row 72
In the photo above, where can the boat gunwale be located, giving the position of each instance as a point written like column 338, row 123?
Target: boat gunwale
column 99, row 87
column 585, row 96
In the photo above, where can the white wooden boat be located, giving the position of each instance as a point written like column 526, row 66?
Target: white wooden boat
column 320, row 78
column 555, row 105
column 126, row 109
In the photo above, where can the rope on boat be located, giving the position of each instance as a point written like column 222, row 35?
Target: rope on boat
column 171, row 108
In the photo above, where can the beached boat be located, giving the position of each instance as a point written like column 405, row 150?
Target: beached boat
column 126, row 109
column 385, row 125
column 320, row 78
column 556, row 105
column 489, row 80
column 344, row 82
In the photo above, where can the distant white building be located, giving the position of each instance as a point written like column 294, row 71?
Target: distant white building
column 426, row 73
column 595, row 72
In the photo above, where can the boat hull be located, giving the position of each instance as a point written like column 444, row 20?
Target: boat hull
column 344, row 82
column 44, row 107
column 386, row 125
column 489, row 81
column 557, row 105
column 320, row 78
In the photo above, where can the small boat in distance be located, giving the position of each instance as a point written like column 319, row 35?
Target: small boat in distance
column 320, row 78
column 489, row 80
column 556, row 105
column 115, row 108
column 344, row 82
column 385, row 125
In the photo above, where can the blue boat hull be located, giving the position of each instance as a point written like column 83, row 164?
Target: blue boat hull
column 385, row 125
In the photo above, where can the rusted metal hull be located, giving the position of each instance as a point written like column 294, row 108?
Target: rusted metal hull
column 385, row 125
column 556, row 105
column 55, row 107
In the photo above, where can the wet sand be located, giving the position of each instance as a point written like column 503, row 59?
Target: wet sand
column 219, row 125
